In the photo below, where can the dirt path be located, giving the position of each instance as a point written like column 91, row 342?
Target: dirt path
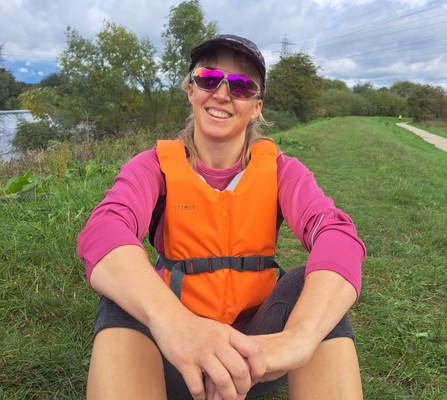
column 438, row 141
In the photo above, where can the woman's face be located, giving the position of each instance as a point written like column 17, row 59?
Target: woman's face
column 217, row 115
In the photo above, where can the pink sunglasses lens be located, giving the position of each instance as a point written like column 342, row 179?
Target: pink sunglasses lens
column 241, row 87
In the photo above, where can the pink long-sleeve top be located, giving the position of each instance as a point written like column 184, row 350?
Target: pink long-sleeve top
column 124, row 215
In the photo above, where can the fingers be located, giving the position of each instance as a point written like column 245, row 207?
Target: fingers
column 213, row 394
column 217, row 396
column 194, row 381
column 251, row 351
column 230, row 360
column 210, row 388
column 224, row 386
column 238, row 369
column 234, row 369
column 219, row 383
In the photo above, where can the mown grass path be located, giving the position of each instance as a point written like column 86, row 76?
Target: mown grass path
column 391, row 182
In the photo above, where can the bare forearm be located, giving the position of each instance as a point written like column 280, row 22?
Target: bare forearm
column 325, row 299
column 191, row 343
column 126, row 276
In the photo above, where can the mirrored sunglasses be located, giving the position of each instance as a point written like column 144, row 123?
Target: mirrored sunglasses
column 240, row 87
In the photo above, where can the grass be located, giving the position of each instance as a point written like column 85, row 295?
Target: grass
column 391, row 182
column 436, row 127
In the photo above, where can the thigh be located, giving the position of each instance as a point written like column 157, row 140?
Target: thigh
column 274, row 313
column 331, row 374
column 112, row 318
column 272, row 317
column 125, row 364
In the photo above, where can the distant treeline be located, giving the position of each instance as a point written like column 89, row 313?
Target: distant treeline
column 113, row 85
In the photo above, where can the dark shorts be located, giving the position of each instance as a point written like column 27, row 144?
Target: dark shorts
column 271, row 317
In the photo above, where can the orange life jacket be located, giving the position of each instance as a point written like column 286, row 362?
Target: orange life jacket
column 219, row 246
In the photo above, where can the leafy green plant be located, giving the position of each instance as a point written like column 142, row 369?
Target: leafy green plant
column 23, row 182
column 91, row 168
column 288, row 142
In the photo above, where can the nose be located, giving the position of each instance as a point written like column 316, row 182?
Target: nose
column 222, row 93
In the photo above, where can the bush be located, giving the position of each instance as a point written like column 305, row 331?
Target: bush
column 282, row 121
column 427, row 103
column 34, row 135
column 341, row 104
column 13, row 104
column 334, row 110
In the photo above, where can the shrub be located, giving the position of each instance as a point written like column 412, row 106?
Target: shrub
column 340, row 104
column 334, row 110
column 34, row 135
column 282, row 121
column 427, row 103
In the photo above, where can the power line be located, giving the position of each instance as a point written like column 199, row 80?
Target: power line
column 377, row 36
column 385, row 58
column 379, row 23
column 415, row 45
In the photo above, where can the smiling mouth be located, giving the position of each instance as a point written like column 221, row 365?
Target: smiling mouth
column 218, row 114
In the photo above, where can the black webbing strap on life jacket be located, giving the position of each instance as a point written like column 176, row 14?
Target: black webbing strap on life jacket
column 155, row 219
column 210, row 264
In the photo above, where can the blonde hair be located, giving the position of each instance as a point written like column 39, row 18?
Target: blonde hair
column 253, row 132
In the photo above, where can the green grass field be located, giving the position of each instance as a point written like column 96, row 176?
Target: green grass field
column 436, row 127
column 391, row 182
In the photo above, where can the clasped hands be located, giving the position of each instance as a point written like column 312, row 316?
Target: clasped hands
column 231, row 361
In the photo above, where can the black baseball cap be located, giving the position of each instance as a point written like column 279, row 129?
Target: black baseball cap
column 233, row 42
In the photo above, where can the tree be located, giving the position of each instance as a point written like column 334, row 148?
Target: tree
column 427, row 103
column 42, row 102
column 293, row 86
column 334, row 84
column 53, row 80
column 9, row 88
column 403, row 88
column 362, row 89
column 185, row 29
column 34, row 135
column 368, row 92
column 338, row 103
column 108, row 80
column 389, row 104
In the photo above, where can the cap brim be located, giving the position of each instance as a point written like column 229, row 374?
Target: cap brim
column 229, row 43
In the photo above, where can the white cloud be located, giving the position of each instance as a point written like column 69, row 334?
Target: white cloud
column 33, row 31
column 414, row 3
column 345, row 65
column 24, row 70
column 96, row 17
column 340, row 3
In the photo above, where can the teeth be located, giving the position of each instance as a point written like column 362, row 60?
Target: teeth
column 218, row 114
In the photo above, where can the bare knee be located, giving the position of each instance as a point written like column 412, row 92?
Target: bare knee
column 332, row 373
column 125, row 364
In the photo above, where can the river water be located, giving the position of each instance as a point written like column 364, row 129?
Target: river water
column 8, row 124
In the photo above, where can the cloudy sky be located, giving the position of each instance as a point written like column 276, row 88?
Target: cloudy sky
column 380, row 41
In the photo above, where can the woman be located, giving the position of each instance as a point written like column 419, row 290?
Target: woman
column 219, row 325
